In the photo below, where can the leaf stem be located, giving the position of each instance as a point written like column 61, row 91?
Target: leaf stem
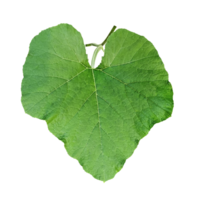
column 112, row 30
column 92, row 44
column 96, row 51
column 99, row 47
column 96, row 44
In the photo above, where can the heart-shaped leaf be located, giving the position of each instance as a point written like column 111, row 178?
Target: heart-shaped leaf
column 100, row 114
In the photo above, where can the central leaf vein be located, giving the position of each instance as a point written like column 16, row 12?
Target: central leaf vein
column 97, row 107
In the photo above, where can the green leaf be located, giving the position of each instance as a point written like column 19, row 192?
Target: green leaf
column 100, row 114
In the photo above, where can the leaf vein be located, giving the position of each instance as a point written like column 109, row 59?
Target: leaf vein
column 56, row 89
